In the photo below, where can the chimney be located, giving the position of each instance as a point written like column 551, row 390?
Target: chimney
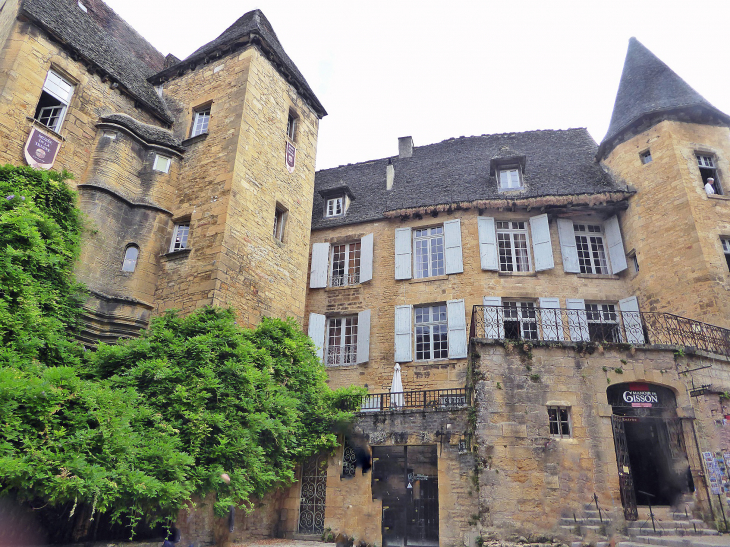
column 389, row 175
column 405, row 147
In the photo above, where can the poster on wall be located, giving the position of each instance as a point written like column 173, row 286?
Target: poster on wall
column 41, row 149
column 291, row 155
column 717, row 472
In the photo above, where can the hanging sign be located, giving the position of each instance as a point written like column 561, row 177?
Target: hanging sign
column 41, row 149
column 640, row 396
column 291, row 155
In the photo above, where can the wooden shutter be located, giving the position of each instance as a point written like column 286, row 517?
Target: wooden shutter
column 542, row 246
column 577, row 320
column 58, row 87
column 551, row 321
column 457, row 328
column 568, row 248
column 403, row 260
column 320, row 263
column 363, row 337
column 615, row 245
column 493, row 318
column 633, row 325
column 488, row 243
column 453, row 262
column 366, row 258
column 403, row 333
column 316, row 332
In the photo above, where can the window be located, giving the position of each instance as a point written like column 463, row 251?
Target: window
column 520, row 321
column 82, row 7
column 726, row 250
column 349, row 459
column 180, row 237
column 130, row 258
column 591, row 249
column 559, row 419
column 636, row 263
column 512, row 240
column 334, row 207
column 645, row 157
column 603, row 323
column 54, row 101
column 429, row 255
column 162, row 164
column 431, row 333
column 201, row 118
column 341, row 341
column 708, row 170
column 291, row 126
column 279, row 222
column 345, row 265
column 509, row 178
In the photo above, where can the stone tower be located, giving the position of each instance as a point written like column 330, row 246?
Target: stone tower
column 666, row 140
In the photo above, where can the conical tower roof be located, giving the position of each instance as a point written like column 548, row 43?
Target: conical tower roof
column 650, row 90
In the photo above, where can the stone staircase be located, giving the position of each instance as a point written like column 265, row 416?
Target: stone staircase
column 669, row 521
column 589, row 522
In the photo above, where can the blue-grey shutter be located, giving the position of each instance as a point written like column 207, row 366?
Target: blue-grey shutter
column 366, row 258
column 632, row 320
column 542, row 246
column 403, row 261
column 316, row 332
column 577, row 320
column 551, row 321
column 403, row 336
column 615, row 245
column 456, row 318
column 453, row 262
column 493, row 317
column 568, row 248
column 363, row 337
column 320, row 265
column 488, row 243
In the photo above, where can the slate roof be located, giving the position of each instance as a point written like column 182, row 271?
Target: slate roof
column 253, row 22
column 558, row 163
column 82, row 33
column 649, row 87
column 149, row 133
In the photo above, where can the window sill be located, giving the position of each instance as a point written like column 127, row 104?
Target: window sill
column 196, row 138
column 44, row 126
column 182, row 253
column 511, row 190
column 427, row 279
column 435, row 362
column 597, row 276
column 518, row 274
column 721, row 198
column 341, row 287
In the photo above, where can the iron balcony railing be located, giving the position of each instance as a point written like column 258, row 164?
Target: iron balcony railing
column 431, row 399
column 345, row 354
column 600, row 323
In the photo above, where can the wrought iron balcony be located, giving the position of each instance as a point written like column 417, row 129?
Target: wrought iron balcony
column 603, row 323
column 432, row 399
column 345, row 354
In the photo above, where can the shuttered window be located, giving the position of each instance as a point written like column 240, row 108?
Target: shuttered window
column 345, row 264
column 591, row 249
column 431, row 329
column 341, row 341
column 54, row 101
column 512, row 241
column 429, row 251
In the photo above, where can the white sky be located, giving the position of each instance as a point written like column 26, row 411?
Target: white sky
column 436, row 70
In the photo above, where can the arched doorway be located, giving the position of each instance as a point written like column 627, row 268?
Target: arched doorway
column 650, row 449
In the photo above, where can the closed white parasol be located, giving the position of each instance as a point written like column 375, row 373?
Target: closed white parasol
column 396, row 388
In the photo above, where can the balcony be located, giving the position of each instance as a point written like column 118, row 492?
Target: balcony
column 345, row 354
column 601, row 324
column 432, row 399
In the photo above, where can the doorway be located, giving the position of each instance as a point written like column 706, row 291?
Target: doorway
column 313, row 495
column 405, row 478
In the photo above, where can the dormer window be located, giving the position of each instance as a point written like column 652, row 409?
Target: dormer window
column 509, row 169
column 509, row 178
column 335, row 207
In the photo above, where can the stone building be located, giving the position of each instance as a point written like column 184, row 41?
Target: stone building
column 555, row 310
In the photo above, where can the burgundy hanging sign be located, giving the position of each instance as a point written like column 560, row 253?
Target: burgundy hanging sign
column 41, row 149
column 291, row 155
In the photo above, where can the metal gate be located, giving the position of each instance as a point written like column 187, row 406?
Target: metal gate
column 314, row 490
column 626, row 481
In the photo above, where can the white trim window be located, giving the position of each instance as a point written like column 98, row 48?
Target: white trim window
column 726, row 249
column 520, row 320
column 280, row 215
column 180, row 237
column 591, row 248
column 602, row 322
column 291, row 126
column 432, row 338
column 54, row 101
column 341, row 341
column 513, row 243
column 345, row 264
column 509, row 179
column 201, row 119
column 559, row 420
column 130, row 258
column 161, row 164
column 429, row 251
column 335, row 207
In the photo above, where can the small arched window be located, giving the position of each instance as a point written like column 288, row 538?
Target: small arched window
column 130, row 258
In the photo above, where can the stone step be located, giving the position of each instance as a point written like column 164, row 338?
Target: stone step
column 584, row 529
column 568, row 521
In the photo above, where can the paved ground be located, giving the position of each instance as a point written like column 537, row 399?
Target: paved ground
column 273, row 542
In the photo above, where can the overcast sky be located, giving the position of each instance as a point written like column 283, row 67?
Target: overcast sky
column 436, row 70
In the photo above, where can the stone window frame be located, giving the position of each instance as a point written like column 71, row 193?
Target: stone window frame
column 344, row 351
column 435, row 264
column 58, row 90
column 201, row 120
column 129, row 264
column 349, row 273
column 165, row 167
column 725, row 241
column 707, row 167
column 180, row 240
column 429, row 350
column 292, row 124
column 645, row 157
column 281, row 214
column 512, row 232
column 557, row 423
